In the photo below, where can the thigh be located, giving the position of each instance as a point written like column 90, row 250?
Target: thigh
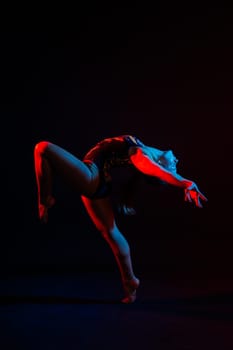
column 83, row 178
column 101, row 213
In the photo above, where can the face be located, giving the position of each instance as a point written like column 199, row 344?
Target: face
column 168, row 161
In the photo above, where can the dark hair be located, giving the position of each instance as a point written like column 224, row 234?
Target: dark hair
column 129, row 190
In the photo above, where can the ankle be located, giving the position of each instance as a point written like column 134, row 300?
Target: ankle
column 132, row 282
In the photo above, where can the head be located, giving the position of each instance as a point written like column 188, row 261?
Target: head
column 168, row 160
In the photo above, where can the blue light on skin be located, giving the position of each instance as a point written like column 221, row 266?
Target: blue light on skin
column 168, row 160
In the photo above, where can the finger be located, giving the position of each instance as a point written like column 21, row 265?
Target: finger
column 188, row 197
column 203, row 197
column 200, row 194
column 198, row 202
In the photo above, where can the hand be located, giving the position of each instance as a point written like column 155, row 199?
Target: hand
column 193, row 194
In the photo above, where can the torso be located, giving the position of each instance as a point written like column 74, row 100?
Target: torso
column 112, row 152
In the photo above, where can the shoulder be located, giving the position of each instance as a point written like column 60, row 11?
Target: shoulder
column 139, row 150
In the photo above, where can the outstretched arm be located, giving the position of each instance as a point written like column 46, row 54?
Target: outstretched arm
column 142, row 161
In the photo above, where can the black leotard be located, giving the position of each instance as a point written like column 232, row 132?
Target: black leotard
column 109, row 153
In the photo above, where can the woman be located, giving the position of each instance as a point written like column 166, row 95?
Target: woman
column 91, row 178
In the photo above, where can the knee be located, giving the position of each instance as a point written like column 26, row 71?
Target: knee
column 41, row 147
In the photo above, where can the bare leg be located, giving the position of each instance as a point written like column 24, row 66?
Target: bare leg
column 50, row 160
column 101, row 213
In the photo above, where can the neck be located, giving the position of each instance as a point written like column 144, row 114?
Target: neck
column 155, row 153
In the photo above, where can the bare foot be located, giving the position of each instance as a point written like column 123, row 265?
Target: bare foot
column 130, row 288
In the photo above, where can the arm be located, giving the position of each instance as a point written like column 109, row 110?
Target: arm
column 147, row 166
column 143, row 162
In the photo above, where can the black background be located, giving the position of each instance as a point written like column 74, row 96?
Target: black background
column 163, row 74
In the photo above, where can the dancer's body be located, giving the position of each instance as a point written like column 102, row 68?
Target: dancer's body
column 91, row 178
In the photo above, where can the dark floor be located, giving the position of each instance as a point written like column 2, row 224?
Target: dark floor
column 82, row 311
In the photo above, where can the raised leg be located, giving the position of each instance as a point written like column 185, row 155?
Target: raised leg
column 50, row 160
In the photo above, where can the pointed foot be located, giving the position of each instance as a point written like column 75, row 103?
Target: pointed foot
column 130, row 288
